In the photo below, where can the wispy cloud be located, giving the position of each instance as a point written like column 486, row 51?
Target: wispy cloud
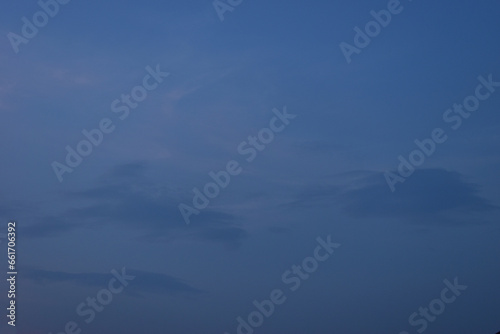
column 144, row 281
column 430, row 193
column 124, row 198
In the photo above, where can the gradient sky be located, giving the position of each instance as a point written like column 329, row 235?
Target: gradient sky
column 323, row 175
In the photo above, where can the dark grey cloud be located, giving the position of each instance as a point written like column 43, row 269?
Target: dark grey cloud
column 428, row 193
column 125, row 198
column 144, row 282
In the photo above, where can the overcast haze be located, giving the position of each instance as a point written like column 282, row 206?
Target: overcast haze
column 330, row 168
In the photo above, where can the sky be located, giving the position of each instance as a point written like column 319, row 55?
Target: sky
column 356, row 182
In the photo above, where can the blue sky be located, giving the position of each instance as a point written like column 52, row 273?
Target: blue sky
column 322, row 175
